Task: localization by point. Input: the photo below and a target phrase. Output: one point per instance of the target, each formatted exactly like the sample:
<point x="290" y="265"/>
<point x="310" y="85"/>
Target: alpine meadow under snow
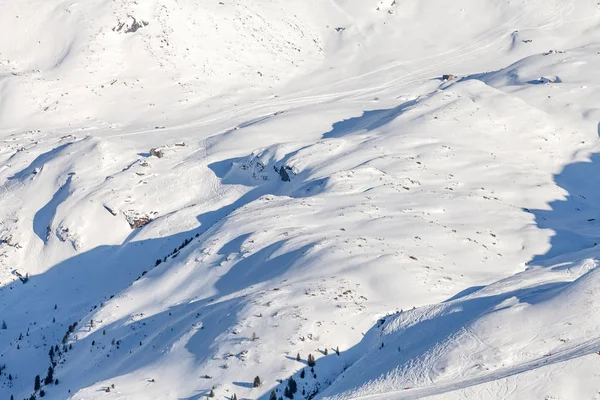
<point x="273" y="199"/>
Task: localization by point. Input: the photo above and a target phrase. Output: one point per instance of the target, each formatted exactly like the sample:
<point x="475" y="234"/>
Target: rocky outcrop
<point x="130" y="25"/>
<point x="157" y="152"/>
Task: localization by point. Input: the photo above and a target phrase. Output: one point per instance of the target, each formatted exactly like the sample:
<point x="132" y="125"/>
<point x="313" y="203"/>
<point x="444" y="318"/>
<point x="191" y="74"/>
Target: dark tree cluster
<point x="176" y="250"/>
<point x="50" y="376"/>
<point x="290" y="389"/>
<point x="69" y="331"/>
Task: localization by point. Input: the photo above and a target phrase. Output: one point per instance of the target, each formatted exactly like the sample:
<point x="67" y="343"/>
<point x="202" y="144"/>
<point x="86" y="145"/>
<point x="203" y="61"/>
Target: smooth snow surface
<point x="210" y="188"/>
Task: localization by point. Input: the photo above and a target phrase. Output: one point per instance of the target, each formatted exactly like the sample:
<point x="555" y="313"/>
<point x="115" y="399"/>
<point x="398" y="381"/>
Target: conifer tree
<point x="50" y="377"/>
<point x="256" y="382"/>
<point x="273" y="395"/>
<point x="37" y="383"/>
<point x="292" y="385"/>
<point x="287" y="393"/>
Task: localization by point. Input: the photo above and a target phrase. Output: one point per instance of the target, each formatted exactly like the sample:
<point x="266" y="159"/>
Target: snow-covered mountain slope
<point x="109" y="63"/>
<point x="462" y="344"/>
<point x="196" y="193"/>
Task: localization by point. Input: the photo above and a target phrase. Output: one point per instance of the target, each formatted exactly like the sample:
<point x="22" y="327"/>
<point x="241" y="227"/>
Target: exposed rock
<point x="157" y="152"/>
<point x="255" y="168"/>
<point x="448" y="77"/>
<point x="553" y="51"/>
<point x="139" y="222"/>
<point x="9" y="241"/>
<point x="549" y="79"/>
<point x="283" y="173"/>
<point x="130" y="25"/>
<point x="262" y="165"/>
<point x="65" y="235"/>
<point x="110" y="210"/>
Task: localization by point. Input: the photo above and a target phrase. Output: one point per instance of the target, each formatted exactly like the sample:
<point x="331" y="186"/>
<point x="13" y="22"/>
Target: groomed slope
<point x="532" y="320"/>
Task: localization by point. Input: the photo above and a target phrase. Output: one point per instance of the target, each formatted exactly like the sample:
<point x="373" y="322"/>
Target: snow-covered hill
<point x="197" y="193"/>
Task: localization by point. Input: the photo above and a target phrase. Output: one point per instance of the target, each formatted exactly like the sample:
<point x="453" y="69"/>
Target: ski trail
<point x="584" y="349"/>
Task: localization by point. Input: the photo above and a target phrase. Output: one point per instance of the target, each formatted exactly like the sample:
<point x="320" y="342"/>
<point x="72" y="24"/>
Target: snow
<point x="209" y="188"/>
